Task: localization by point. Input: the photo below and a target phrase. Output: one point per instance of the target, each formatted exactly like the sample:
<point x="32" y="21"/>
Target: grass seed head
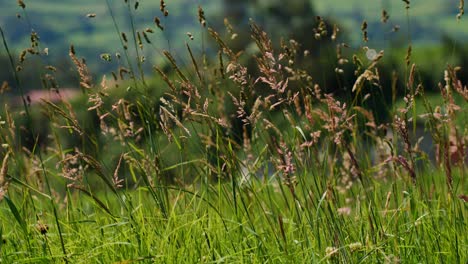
<point x="355" y="246"/>
<point x="42" y="228"/>
<point x="385" y="16"/>
<point x="331" y="251"/>
<point x="21" y="4"/>
<point x="157" y="21"/>
<point x="407" y="2"/>
<point x="124" y="37"/>
<point x="5" y="87"/>
<point x="201" y="16"/>
<point x="3" y="176"/>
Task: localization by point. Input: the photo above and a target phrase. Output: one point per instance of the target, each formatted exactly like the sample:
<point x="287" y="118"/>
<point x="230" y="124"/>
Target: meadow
<point x="274" y="152"/>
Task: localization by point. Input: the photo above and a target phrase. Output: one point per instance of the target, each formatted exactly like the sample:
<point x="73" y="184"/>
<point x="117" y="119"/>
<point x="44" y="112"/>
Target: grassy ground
<point x="251" y="222"/>
<point x="235" y="158"/>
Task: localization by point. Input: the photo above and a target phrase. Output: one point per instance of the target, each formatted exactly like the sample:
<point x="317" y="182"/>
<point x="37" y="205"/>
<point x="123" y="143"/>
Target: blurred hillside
<point x="428" y="21"/>
<point x="91" y="28"/>
<point x="60" y="23"/>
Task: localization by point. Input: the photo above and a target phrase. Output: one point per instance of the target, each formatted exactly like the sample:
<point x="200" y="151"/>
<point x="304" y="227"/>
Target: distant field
<point x="428" y="20"/>
<point x="61" y="23"/>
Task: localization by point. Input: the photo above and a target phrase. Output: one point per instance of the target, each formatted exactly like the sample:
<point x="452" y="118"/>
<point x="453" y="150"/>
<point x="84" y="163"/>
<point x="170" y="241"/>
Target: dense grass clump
<point x="223" y="155"/>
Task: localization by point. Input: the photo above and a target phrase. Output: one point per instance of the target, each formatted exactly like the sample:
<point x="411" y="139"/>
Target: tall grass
<point x="231" y="156"/>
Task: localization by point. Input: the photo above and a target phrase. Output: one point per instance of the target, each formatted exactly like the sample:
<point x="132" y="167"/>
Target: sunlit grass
<point x="219" y="157"/>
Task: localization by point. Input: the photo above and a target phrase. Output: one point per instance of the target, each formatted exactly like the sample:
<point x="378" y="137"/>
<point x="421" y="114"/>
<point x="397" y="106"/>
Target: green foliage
<point x="262" y="221"/>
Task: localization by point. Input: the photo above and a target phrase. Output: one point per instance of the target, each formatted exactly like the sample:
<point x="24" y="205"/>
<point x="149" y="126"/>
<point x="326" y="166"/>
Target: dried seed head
<point x="190" y="35"/>
<point x="106" y="57"/>
<point x="21" y="4"/>
<point x="42" y="228"/>
<point x="364" y="31"/>
<point x="123" y="71"/>
<point x="463" y="197"/>
<point x="157" y="21"/>
<point x="335" y="32"/>
<point x="298" y="105"/>
<point x="32" y="51"/>
<point x="461" y="9"/>
<point x="5" y="87"/>
<point x="355" y="246"/>
<point x="201" y="16"/>
<point x="140" y="43"/>
<point x="85" y="77"/>
<point x="34" y="39"/>
<point x="411" y="76"/>
<point x="230" y="29"/>
<point x="407" y="2"/>
<point x="22" y="56"/>
<point x="408" y="55"/>
<point x="4" y="169"/>
<point x="116" y="180"/>
<point x="385" y="16"/>
<point x="91" y="15"/>
<point x="51" y="68"/>
<point x="321" y="30"/>
<point x="124" y="37"/>
<point x="145" y="36"/>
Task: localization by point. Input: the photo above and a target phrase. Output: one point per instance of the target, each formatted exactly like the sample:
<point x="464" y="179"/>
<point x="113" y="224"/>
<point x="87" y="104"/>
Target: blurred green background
<point x="429" y="25"/>
<point x="60" y="23"/>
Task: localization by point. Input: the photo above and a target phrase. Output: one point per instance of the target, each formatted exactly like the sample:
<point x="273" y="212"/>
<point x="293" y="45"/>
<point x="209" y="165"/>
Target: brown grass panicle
<point x="461" y="9"/>
<point x="401" y="127"/>
<point x="82" y="68"/>
<point x="4" y="182"/>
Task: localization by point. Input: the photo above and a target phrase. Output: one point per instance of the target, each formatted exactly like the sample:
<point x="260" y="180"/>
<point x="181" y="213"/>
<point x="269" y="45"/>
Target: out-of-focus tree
<point x="292" y="19"/>
<point x="286" y="20"/>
